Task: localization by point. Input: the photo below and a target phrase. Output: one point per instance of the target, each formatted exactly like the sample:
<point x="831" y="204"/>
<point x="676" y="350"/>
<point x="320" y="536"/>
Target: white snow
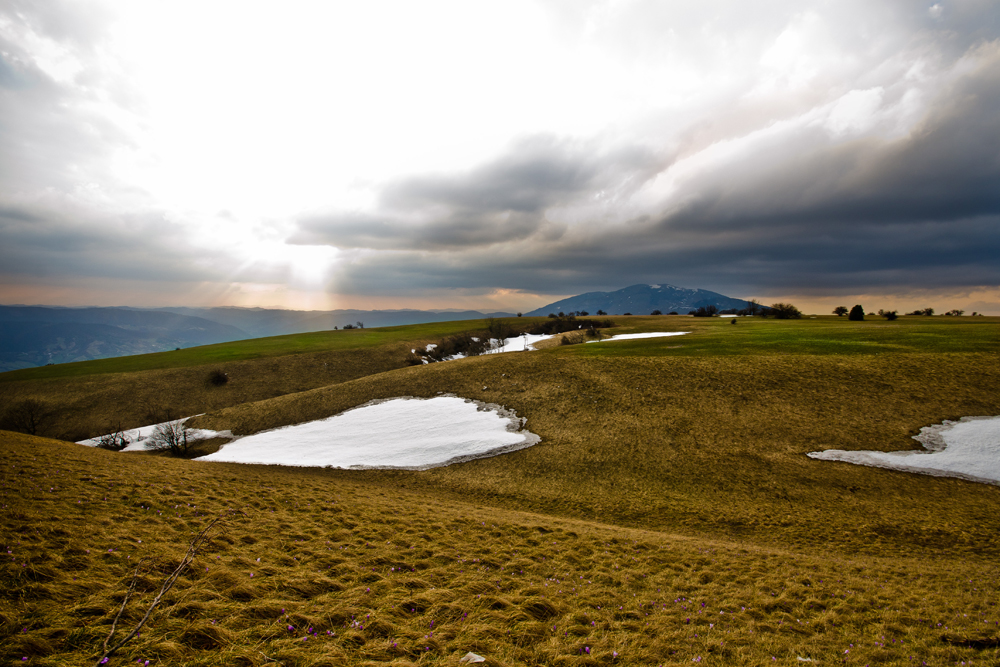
<point x="399" y="433"/>
<point x="968" y="448"/>
<point x="139" y="435"/>
<point x="655" y="334"/>
<point x="517" y="343"/>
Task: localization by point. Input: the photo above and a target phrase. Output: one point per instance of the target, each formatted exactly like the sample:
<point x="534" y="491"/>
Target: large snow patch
<point x="653" y="334"/>
<point x="407" y="433"/>
<point x="968" y="448"/>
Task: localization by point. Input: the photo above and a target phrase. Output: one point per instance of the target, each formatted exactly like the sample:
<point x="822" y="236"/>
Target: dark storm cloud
<point x="920" y="210"/>
<point x="501" y="202"/>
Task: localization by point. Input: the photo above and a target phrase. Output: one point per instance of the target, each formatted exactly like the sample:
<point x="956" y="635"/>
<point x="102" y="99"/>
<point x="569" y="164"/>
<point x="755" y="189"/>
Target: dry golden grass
<point x="704" y="445"/>
<point x="671" y="474"/>
<point x="345" y="572"/>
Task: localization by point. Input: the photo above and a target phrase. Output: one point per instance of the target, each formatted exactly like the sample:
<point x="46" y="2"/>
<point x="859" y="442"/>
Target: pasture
<point x="669" y="514"/>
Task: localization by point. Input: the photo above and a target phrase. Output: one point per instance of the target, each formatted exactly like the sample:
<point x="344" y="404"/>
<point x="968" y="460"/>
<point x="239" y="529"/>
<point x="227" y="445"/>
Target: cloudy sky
<point x="441" y="154"/>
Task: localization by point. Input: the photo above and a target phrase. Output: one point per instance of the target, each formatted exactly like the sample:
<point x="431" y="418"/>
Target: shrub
<point x="926" y="311"/>
<point x="857" y="314"/>
<point x="672" y="312"/>
<point x="840" y="311"/>
<point x="656" y="312"/>
<point x="117" y="440"/>
<point x="785" y="311"/>
<point x="169" y="437"/>
<point x="888" y="314"/>
<point x="954" y="313"/>
<point x="583" y="313"/>
<point x="705" y="311"/>
<point x="626" y="313"/>
<point x="218" y="378"/>
<point x="601" y="313"/>
<point x="26" y="416"/>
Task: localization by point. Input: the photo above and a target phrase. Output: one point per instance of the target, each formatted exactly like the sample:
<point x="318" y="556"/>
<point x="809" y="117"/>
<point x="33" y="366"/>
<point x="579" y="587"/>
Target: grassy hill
<point x="669" y="514"/>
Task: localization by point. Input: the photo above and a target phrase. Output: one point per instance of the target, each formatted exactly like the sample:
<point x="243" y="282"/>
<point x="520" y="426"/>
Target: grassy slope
<point x="93" y="397"/>
<point x="702" y="436"/>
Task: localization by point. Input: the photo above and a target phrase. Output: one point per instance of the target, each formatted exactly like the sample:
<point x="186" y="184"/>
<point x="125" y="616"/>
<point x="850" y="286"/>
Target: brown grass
<point x="668" y="477"/>
<point x="367" y="573"/>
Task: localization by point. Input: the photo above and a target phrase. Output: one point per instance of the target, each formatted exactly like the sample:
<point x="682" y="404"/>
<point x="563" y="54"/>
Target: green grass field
<point x="668" y="516"/>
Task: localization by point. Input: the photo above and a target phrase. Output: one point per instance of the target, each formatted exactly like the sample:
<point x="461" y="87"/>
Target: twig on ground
<point x="128" y="596"/>
<point x="192" y="551"/>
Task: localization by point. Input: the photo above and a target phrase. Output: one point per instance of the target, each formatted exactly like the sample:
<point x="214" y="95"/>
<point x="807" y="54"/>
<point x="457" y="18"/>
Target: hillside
<point x="642" y="300"/>
<point x="33" y="336"/>
<point x="668" y="515"/>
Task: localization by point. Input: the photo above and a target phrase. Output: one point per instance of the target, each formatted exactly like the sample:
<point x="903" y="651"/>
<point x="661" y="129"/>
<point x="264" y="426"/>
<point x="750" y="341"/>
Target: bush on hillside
<point x="785" y="311"/>
<point x="26" y="416"/>
<point x="857" y="314"/>
<point x="560" y="325"/>
<point x="217" y="378"/>
<point x="116" y="440"/>
<point x="170" y="437"/>
<point x="888" y="314"/>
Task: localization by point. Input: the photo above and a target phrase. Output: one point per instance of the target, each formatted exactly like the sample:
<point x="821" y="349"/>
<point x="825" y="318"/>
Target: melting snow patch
<point x="968" y="448"/>
<point x="517" y="343"/>
<point x="655" y="334"/>
<point x="137" y="436"/>
<point x="409" y="433"/>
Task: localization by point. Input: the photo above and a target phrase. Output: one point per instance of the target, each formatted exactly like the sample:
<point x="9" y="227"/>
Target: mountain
<point x="260" y="322"/>
<point x="39" y="335"/>
<point x="642" y="300"/>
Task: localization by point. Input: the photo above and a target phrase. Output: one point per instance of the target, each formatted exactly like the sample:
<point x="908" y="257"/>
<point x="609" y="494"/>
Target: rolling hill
<point x="669" y="514"/>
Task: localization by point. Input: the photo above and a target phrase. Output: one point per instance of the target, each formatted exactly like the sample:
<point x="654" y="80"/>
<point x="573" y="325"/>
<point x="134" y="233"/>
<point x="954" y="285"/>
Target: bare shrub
<point x="169" y="437"/>
<point x="26" y="416"/>
<point x="115" y="441"/>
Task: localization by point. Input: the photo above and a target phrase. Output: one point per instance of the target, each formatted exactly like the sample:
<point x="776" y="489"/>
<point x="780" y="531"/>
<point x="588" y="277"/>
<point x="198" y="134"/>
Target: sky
<point x="318" y="155"/>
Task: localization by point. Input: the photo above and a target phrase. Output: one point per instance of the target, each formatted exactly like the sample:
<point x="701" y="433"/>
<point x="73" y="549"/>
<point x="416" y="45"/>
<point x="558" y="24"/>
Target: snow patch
<point x="655" y="334"/>
<point x="406" y="432"/>
<point x="968" y="449"/>
<point x="517" y="343"/>
<point x="137" y="436"/>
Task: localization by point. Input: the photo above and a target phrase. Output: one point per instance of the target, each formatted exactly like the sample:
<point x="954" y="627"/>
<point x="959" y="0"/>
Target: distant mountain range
<point x="260" y="322"/>
<point x="39" y="335"/>
<point x="642" y="300"/>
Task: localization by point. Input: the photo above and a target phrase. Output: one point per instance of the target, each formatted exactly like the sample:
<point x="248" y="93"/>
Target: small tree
<point x="785" y="311"/>
<point x="840" y="311"/>
<point x="361" y="325"/>
<point x="857" y="314"/>
<point x="583" y="313"/>
<point x="25" y="416"/>
<point x="601" y="312"/>
<point x="888" y="314"/>
<point x="169" y="437"/>
<point x="656" y="312"/>
<point x="955" y="313"/>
